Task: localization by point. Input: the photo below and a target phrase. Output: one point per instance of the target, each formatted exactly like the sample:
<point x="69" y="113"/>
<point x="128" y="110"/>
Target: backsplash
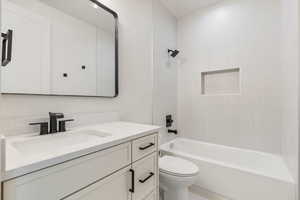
<point x="20" y="125"/>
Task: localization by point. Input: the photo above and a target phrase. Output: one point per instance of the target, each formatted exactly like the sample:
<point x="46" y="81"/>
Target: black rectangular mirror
<point x="59" y="47"/>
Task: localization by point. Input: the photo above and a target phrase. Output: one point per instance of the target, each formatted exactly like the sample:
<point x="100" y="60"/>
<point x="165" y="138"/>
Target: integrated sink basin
<point x="54" y="142"/>
<point x="24" y="154"/>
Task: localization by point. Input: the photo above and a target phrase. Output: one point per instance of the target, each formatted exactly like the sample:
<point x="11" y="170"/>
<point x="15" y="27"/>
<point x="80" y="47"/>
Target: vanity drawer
<point x="114" y="187"/>
<point x="61" y="180"/>
<point x="144" y="146"/>
<point x="146" y="177"/>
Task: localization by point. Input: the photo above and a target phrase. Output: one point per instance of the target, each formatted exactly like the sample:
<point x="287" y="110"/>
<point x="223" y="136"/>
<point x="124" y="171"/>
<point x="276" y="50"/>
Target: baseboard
<point x="207" y="194"/>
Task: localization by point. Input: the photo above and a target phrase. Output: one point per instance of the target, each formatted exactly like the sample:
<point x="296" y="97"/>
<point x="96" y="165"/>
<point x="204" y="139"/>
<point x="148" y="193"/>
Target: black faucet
<point x="53" y="121"/>
<point x="43" y="127"/>
<point x="169" y="121"/>
<point x="53" y="124"/>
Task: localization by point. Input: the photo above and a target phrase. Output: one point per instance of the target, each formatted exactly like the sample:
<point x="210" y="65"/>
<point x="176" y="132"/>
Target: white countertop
<point x="16" y="164"/>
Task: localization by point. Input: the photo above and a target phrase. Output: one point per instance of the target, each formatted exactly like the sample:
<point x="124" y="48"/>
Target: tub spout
<point x="173" y="131"/>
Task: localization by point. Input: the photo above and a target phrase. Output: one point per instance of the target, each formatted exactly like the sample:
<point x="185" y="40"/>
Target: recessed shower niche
<point x="224" y="81"/>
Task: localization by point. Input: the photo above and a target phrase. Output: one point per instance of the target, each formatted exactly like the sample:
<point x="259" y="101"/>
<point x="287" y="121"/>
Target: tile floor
<point x="193" y="197"/>
<point x="196" y="197"/>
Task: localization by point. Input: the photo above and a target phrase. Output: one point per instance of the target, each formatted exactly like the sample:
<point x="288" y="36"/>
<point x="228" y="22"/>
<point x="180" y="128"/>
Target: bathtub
<point x="235" y="173"/>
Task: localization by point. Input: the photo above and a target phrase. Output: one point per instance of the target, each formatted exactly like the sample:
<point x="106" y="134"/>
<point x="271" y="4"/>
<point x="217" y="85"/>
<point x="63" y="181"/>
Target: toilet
<point x="176" y="175"/>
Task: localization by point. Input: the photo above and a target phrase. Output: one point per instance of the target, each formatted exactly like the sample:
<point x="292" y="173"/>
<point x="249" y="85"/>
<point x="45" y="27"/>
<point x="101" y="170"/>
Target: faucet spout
<point x="53" y="121"/>
<point x="173" y="131"/>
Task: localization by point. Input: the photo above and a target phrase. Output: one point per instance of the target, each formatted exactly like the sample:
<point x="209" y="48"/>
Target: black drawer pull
<point x="6" y="47"/>
<point x="146" y="147"/>
<point x="132" y="181"/>
<point x="147" y="178"/>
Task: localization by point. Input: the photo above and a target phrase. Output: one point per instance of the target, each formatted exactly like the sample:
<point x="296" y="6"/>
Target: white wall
<point x="105" y="63"/>
<point x="233" y="33"/>
<point x="290" y="64"/>
<point x="136" y="74"/>
<point x="165" y="68"/>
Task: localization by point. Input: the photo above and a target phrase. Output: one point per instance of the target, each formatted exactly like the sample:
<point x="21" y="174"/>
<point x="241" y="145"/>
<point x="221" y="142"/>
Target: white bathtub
<point x="235" y="173"/>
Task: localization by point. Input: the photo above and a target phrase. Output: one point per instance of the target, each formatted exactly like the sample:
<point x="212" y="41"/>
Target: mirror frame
<point x="116" y="17"/>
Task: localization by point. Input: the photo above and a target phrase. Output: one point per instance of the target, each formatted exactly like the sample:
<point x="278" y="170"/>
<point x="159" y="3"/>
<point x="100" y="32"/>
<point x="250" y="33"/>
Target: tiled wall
<point x="290" y="73"/>
<point x="20" y="125"/>
<point x="231" y="34"/>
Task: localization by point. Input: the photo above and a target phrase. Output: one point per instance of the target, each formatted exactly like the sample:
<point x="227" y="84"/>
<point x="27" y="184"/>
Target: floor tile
<point x="192" y="197"/>
<point x="196" y="197"/>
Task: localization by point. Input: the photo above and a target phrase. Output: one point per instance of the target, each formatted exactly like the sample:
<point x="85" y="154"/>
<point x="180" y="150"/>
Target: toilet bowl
<point x="176" y="175"/>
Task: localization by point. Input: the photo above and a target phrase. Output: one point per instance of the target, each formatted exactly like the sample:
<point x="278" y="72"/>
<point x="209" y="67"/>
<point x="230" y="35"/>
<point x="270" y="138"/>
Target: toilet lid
<point x="177" y="166"/>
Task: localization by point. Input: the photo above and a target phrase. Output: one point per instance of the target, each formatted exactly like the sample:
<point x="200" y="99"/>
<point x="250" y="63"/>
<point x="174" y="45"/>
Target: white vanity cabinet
<point x="110" y="174"/>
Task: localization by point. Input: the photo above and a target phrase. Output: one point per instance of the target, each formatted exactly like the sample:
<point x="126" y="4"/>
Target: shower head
<point x="173" y="53"/>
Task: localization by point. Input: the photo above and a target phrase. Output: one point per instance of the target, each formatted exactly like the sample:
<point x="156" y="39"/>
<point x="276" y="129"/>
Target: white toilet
<point x="176" y="175"/>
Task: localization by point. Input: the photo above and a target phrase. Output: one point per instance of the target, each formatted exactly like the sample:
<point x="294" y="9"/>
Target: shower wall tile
<point x="290" y="73"/>
<point x="233" y="34"/>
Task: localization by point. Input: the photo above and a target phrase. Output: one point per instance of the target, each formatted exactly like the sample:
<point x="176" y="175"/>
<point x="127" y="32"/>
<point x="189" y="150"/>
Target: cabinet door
<point x="114" y="187"/>
<point x="29" y="70"/>
<point x="146" y="176"/>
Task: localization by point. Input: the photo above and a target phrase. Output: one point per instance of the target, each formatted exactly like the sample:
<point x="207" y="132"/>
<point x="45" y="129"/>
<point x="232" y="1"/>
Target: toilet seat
<point x="177" y="167"/>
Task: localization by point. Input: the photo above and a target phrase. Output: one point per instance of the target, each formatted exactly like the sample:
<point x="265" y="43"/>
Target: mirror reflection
<point x="69" y="46"/>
